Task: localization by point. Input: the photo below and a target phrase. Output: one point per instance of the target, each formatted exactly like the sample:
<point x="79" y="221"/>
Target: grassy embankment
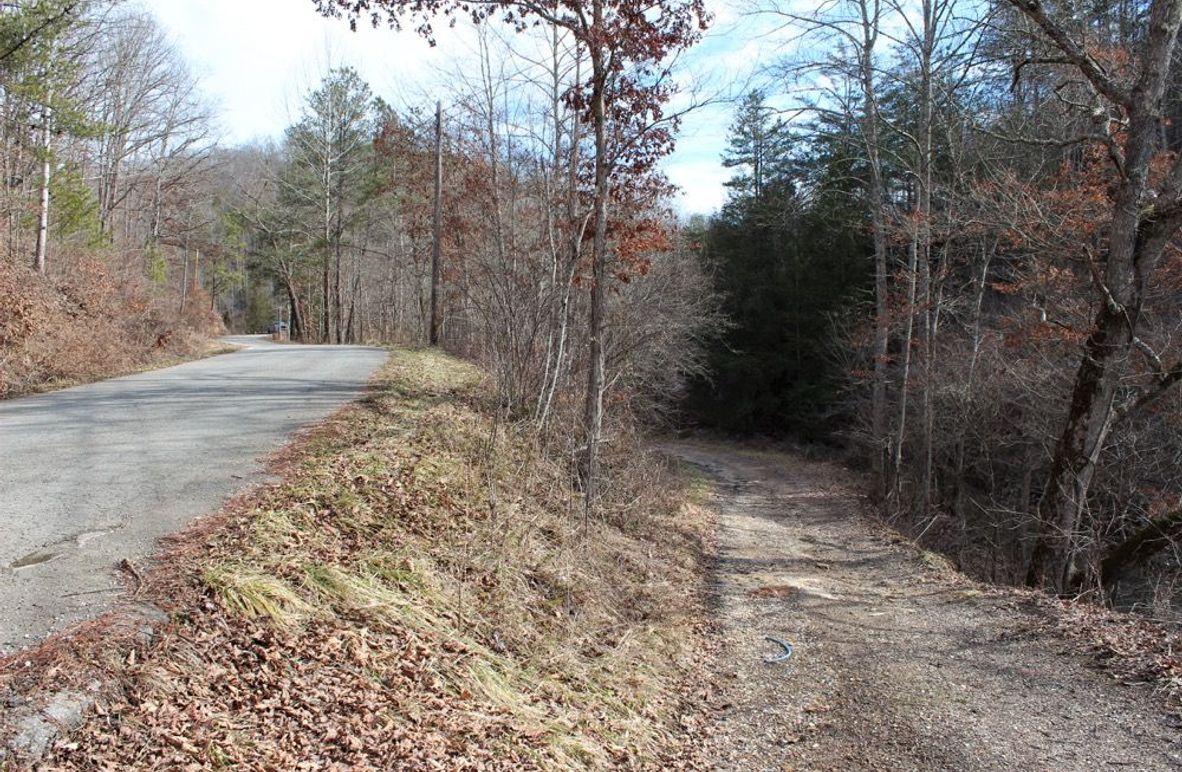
<point x="193" y="349"/>
<point x="419" y="589"/>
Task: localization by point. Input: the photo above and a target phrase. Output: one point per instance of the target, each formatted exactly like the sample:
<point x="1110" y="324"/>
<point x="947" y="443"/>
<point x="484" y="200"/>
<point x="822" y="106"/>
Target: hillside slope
<point x="86" y="323"/>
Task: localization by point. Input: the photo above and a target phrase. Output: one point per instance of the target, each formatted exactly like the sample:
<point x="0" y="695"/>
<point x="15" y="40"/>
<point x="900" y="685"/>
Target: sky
<point x="256" y="57"/>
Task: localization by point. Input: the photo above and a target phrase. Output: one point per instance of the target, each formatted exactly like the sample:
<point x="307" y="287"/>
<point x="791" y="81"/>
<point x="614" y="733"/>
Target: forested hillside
<point x="960" y="258"/>
<point x="111" y="242"/>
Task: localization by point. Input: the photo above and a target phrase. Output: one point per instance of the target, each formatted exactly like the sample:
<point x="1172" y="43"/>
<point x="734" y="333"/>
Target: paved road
<point x="97" y="473"/>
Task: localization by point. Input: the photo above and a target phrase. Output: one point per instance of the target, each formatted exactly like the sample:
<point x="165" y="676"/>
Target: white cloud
<point x="701" y="184"/>
<point x="256" y="57"/>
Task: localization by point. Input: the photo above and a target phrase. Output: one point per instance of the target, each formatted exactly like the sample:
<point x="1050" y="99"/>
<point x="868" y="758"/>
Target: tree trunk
<point x="436" y="228"/>
<point x="574" y="240"/>
<point x="980" y="279"/>
<point x="184" y="280"/>
<point x="326" y="318"/>
<point x="879" y="428"/>
<point x="338" y="298"/>
<point x="1089" y="418"/>
<point x="296" y="324"/>
<point x="1137" y="237"/>
<point x="338" y="232"/>
<point x="878" y="422"/>
<point x="593" y="410"/>
<point x="43" y="208"/>
<point x="905" y="372"/>
<point x="924" y="224"/>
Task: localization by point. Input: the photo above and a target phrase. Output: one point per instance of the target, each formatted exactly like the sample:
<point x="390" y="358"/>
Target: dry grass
<point x="420" y="591"/>
<point x="188" y="347"/>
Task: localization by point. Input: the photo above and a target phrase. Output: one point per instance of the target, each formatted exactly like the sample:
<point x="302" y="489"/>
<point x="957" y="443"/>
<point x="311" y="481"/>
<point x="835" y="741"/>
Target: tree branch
<point x="1141" y="546"/>
<point x="1076" y="54"/>
<point x="1165" y="381"/>
<point x="32" y="34"/>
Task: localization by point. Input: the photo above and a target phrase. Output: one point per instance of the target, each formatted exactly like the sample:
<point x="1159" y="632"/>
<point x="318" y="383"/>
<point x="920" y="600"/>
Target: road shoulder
<point x="418" y="589"/>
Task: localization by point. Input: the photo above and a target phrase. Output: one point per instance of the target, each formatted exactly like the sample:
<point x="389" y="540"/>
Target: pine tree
<point x="760" y="143"/>
<point x="782" y="270"/>
<point x="331" y="156"/>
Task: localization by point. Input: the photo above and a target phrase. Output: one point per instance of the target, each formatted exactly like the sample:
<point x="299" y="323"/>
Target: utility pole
<point x="437" y="224"/>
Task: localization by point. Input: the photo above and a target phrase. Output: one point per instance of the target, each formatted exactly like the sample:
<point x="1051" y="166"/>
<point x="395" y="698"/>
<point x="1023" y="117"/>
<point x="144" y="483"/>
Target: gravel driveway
<point x="898" y="664"/>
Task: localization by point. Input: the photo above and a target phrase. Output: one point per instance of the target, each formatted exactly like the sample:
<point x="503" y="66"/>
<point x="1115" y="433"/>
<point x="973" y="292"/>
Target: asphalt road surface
<point x="95" y="474"/>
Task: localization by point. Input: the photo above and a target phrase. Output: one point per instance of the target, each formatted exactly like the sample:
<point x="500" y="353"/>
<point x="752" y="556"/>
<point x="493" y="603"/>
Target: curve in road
<point x="95" y="474"/>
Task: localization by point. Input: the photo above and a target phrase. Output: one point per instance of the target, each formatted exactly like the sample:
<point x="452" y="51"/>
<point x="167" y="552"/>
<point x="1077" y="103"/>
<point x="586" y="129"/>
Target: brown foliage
<point x="82" y="324"/>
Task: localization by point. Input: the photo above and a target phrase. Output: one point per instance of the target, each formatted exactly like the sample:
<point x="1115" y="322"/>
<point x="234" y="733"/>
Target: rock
<point x="37" y="731"/>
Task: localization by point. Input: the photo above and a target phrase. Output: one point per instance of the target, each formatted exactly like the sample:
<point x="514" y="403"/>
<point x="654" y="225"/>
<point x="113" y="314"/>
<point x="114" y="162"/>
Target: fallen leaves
<point x="1133" y="647"/>
<point x="369" y="612"/>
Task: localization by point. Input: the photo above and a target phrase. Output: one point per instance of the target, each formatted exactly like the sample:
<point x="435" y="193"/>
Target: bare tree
<point x="1145" y="217"/>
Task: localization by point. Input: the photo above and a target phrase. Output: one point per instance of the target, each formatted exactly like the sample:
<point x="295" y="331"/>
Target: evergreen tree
<point x="331" y="160"/>
<point x="784" y="263"/>
<point x="760" y="144"/>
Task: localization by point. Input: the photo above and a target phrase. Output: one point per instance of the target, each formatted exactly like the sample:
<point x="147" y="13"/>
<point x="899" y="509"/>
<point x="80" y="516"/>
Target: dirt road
<point x="897" y="664"/>
<point x="94" y="475"/>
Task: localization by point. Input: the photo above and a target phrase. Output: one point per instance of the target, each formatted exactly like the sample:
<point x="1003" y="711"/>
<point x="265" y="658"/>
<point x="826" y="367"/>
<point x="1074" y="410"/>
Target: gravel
<point x="898" y="663"/>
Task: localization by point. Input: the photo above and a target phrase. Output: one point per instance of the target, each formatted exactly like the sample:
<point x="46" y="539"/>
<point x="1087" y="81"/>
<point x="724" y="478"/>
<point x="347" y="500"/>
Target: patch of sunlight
<point x="252" y="593"/>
